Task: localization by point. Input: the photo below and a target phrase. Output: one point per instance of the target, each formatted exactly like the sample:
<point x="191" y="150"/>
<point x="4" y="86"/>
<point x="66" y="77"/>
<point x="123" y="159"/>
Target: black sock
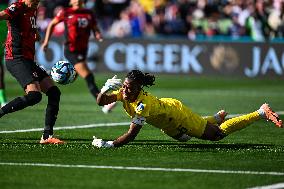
<point x="93" y="88"/>
<point x="20" y="103"/>
<point x="52" y="109"/>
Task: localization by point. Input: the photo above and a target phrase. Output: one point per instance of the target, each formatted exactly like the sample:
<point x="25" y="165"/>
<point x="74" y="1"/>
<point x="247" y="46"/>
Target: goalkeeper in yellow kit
<point x="168" y="114"/>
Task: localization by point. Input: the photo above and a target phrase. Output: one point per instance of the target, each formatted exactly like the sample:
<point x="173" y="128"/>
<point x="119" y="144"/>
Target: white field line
<point x="144" y="168"/>
<point x="273" y="186"/>
<point x="96" y="125"/>
<point x="71" y="127"/>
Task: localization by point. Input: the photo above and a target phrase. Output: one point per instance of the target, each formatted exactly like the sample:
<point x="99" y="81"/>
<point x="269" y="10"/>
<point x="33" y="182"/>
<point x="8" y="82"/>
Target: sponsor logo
<point x="140" y="107"/>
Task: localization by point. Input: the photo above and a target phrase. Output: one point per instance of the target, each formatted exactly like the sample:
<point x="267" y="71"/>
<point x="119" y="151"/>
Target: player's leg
<point x="83" y="70"/>
<point x="78" y="60"/>
<point x="214" y="132"/>
<point x="176" y="134"/>
<point x="218" y="118"/>
<point x="240" y="122"/>
<point x="3" y="100"/>
<point x="23" y="73"/>
<point x="53" y="93"/>
<point x="107" y="108"/>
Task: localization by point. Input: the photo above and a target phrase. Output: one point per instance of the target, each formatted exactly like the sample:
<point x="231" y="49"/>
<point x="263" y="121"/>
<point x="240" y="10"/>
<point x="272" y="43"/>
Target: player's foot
<point x="50" y="140"/>
<point x="107" y="108"/>
<point x="267" y="113"/>
<point x="220" y="116"/>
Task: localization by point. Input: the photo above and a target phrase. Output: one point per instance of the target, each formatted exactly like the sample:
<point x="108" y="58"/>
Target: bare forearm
<point x="103" y="99"/>
<point x="48" y="33"/>
<point x="124" y="139"/>
<point x="129" y="136"/>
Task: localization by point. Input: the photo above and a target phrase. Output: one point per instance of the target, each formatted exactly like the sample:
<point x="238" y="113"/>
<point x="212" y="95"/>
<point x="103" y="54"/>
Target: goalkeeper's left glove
<point x="112" y="84"/>
<point x="99" y="143"/>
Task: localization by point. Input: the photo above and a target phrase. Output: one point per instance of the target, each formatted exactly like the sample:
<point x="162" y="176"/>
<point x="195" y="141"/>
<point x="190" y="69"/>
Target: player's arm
<point x="129" y="136"/>
<point x="97" y="33"/>
<point x="49" y="31"/>
<point x="104" y="99"/>
<point x="4" y="15"/>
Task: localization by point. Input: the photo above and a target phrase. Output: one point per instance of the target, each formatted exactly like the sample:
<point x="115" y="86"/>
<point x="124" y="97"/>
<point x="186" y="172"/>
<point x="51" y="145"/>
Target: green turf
<point x="256" y="148"/>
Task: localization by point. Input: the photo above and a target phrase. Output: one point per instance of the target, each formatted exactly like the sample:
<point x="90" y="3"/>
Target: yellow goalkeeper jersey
<point x="168" y="114"/>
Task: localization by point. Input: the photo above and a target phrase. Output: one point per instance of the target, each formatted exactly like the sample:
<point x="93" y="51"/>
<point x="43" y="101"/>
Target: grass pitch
<point x="248" y="158"/>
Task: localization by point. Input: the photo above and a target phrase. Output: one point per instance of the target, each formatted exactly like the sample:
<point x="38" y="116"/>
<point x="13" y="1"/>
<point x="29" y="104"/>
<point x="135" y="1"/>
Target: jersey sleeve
<point x="118" y="94"/>
<point x="14" y="10"/>
<point x="60" y="15"/>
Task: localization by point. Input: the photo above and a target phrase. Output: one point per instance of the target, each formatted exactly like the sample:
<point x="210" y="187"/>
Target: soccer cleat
<point x="107" y="108"/>
<point x="270" y="115"/>
<point x="50" y="140"/>
<point x="220" y="116"/>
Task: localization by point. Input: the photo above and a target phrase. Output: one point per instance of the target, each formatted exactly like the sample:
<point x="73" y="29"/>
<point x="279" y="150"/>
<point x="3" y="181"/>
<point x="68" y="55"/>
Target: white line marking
<point x="273" y="186"/>
<point x="144" y="168"/>
<point x="70" y="127"/>
<point x="96" y="125"/>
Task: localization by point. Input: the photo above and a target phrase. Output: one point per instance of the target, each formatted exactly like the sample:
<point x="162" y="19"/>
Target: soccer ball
<point x="63" y="72"/>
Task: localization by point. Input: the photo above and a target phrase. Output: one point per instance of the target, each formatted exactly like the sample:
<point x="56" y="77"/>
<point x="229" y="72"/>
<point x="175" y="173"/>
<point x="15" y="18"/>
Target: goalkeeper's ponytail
<point x="145" y="79"/>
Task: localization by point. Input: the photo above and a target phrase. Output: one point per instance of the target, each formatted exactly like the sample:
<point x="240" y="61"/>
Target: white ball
<point x="63" y="72"/>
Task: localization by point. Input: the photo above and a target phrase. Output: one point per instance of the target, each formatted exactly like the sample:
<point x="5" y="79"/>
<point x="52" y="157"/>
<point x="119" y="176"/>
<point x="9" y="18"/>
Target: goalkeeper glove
<point x="112" y="84"/>
<point x="99" y="143"/>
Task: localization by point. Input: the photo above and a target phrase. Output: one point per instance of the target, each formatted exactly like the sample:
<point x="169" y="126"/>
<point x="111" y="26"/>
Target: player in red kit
<point x="19" y="56"/>
<point x="79" y="23"/>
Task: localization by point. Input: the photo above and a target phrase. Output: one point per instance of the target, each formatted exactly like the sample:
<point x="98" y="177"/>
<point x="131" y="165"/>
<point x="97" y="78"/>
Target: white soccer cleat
<point x="107" y="108"/>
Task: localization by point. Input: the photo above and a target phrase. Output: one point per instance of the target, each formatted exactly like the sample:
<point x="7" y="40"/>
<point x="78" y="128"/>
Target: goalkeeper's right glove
<point x="100" y="143"/>
<point x="112" y="84"/>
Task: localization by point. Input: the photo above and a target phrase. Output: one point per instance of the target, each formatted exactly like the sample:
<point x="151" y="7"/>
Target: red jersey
<point x="22" y="30"/>
<point x="78" y="25"/>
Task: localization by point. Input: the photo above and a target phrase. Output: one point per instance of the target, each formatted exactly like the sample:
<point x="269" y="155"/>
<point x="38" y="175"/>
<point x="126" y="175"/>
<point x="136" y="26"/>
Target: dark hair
<point x="145" y="79"/>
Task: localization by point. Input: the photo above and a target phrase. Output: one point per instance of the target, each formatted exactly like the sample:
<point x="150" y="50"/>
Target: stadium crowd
<point x="257" y="20"/>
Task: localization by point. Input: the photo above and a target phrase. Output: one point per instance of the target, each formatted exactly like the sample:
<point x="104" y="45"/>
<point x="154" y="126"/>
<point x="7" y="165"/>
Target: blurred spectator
<point x="107" y="11"/>
<point x="236" y="30"/>
<point x="257" y="19"/>
<point x="137" y="19"/>
<point x="42" y="21"/>
<point x="50" y="5"/>
<point x="276" y="19"/>
<point x="254" y="25"/>
<point x="122" y="27"/>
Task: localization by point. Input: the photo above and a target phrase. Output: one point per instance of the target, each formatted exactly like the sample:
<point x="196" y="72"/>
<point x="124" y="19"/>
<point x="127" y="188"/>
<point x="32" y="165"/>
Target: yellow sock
<point x="239" y="123"/>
